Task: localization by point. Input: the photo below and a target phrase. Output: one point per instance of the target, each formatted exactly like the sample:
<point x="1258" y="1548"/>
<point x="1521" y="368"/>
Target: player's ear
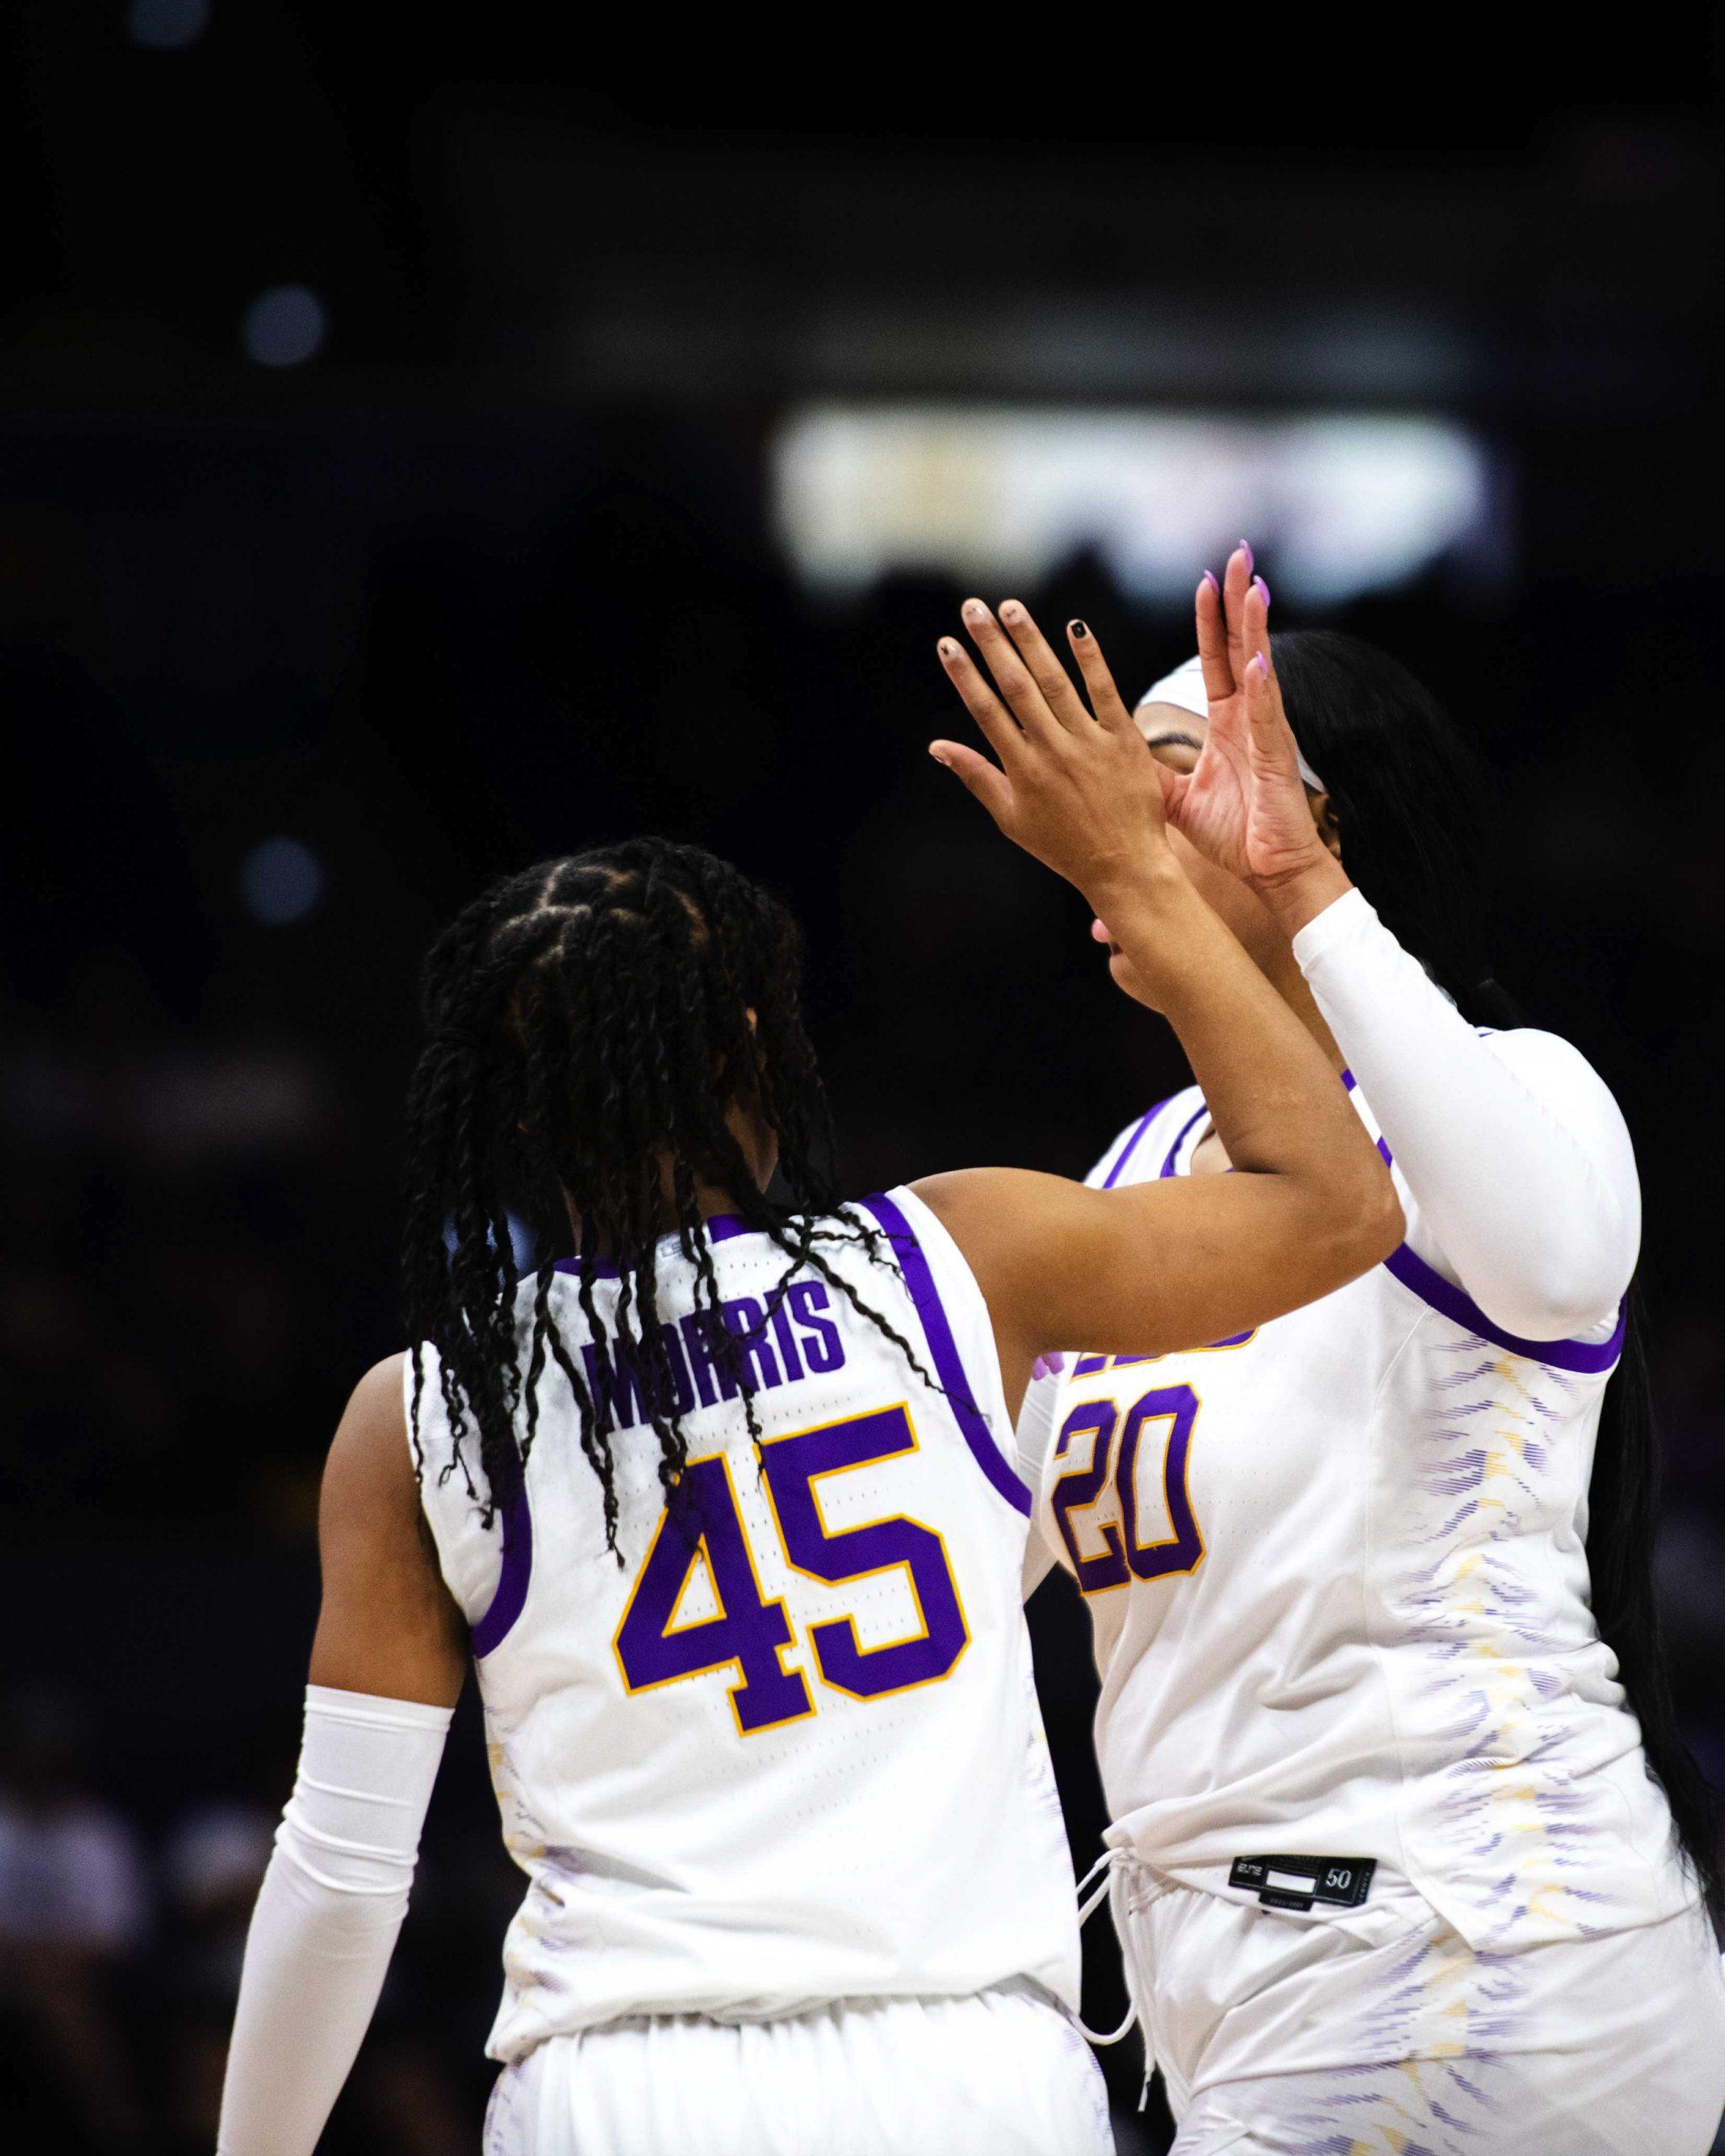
<point x="1329" y="827"/>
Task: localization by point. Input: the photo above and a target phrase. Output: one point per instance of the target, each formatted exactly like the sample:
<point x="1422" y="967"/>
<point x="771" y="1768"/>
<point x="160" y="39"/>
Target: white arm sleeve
<point x="1512" y="1148"/>
<point x="330" y="1906"/>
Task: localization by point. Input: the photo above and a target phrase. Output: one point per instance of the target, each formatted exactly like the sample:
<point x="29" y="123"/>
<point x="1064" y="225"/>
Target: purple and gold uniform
<point x="1388" y="1867"/>
<point x="784" y="1761"/>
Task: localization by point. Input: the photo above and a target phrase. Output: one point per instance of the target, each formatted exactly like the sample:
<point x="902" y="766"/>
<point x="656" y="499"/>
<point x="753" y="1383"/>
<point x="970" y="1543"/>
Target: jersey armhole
<point x="489" y="1584"/>
<point x="1136" y="1147"/>
<point x="1419" y="1276"/>
<point x="909" y="1225"/>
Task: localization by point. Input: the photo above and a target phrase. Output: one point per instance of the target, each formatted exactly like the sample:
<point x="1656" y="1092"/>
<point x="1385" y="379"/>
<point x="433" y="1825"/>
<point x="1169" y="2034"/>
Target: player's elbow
<point x="1378" y="1222"/>
<point x="1361" y="1224"/>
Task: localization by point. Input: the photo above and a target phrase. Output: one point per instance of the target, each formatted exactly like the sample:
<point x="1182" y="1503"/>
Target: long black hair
<point x="591" y="1022"/>
<point x="1413" y="813"/>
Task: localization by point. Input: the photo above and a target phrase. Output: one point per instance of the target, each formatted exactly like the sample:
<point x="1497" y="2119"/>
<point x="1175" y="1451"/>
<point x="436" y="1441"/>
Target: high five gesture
<point x="1073" y="785"/>
<point x="1246" y="803"/>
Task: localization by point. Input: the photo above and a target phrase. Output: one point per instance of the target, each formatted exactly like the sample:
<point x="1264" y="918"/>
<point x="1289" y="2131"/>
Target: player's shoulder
<point x="369" y="1455"/>
<point x="1136" y="1153"/>
<point x="1557" y="1074"/>
<point x="1532" y="1049"/>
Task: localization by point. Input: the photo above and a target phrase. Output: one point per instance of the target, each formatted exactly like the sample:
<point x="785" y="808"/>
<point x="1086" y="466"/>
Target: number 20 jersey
<point x="1336" y="1574"/>
<point x="789" y="1752"/>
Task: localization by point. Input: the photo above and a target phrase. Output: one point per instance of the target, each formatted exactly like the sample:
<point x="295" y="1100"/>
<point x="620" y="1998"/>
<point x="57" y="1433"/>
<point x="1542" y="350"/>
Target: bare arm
<point x="1165" y="1265"/>
<point x="385" y="1670"/>
<point x="389" y="1624"/>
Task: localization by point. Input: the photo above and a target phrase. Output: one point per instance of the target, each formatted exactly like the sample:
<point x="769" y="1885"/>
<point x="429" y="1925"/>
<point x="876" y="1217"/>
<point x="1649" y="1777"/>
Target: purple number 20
<point x="1123" y="1556"/>
<point x="749" y="1635"/>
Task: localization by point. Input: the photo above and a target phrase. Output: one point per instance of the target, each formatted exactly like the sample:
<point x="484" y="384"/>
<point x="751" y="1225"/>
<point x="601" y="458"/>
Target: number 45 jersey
<point x="787" y="1751"/>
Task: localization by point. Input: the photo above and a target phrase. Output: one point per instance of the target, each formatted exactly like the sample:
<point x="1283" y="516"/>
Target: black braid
<point x="590" y="1023"/>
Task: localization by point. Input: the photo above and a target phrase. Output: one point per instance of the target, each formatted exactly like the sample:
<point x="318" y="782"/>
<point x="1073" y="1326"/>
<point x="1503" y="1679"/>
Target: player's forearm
<point x="326" y="1917"/>
<point x="313" y="1969"/>
<point x="1276" y="1102"/>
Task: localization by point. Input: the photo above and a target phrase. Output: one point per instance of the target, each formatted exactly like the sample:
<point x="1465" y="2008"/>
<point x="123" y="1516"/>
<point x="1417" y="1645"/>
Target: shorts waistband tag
<point x="1296" y="1882"/>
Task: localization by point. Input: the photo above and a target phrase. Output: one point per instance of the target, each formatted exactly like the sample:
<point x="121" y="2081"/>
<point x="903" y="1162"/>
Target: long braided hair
<point x="591" y="1021"/>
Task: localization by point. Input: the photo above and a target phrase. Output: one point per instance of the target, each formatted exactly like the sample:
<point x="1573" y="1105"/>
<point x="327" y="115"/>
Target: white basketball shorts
<point x="1003" y="2073"/>
<point x="1282" y="2036"/>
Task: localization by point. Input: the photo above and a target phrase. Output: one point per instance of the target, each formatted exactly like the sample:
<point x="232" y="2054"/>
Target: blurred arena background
<point x="431" y="441"/>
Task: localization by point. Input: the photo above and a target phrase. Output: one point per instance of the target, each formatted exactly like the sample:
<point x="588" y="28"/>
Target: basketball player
<point x="723" y="1505"/>
<point x="1407" y="1854"/>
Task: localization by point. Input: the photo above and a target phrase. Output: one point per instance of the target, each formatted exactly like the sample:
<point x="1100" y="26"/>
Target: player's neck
<point x="711" y="1200"/>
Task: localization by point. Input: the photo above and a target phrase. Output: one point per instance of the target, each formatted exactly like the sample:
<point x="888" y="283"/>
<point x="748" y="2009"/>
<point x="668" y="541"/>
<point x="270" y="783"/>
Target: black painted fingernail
<point x="1079" y="629"/>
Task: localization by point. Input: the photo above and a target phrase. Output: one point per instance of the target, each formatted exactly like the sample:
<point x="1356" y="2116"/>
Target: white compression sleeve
<point x="327" y="1913"/>
<point x="1512" y="1148"/>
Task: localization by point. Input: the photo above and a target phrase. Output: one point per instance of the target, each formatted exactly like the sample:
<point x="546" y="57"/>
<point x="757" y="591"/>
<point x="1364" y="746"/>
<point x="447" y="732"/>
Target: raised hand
<point x="1244" y="804"/>
<point x="1074" y="786"/>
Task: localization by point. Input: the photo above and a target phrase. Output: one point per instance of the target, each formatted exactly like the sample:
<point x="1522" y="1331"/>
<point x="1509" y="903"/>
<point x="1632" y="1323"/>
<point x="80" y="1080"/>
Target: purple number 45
<point x="750" y="1634"/>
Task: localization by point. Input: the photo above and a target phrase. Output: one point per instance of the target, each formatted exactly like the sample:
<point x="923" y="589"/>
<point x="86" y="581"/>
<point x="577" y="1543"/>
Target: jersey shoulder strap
<point x="1146" y="1148"/>
<point x="453" y="1493"/>
<point x="957" y="1333"/>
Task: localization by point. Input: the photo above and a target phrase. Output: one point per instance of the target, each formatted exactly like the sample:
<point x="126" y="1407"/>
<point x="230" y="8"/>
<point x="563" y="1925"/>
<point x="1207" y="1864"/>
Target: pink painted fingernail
<point x="1210" y="580"/>
<point x="1246" y="549"/>
<point x="1263" y="589"/>
<point x="1050" y="1365"/>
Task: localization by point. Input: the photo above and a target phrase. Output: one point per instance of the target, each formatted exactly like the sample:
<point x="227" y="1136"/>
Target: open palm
<point x="1243" y="805"/>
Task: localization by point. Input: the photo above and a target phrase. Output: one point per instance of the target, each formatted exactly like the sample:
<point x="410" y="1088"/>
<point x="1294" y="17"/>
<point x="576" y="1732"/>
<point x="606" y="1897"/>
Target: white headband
<point x="1184" y="689"/>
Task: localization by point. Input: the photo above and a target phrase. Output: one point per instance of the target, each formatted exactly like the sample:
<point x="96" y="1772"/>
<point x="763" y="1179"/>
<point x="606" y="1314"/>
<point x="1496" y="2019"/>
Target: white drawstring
<point x="1111" y="1879"/>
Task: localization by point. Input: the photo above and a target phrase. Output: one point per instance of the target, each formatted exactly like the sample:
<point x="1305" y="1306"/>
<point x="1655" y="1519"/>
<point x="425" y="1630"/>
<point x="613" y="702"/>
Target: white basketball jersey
<point x="1338" y="1578"/>
<point x="788" y="1751"/>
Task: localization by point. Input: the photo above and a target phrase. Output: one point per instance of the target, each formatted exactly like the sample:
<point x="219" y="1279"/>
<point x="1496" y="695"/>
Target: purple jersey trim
<point x="1131" y="1144"/>
<point x="1181" y="1136"/>
<point x="943" y="1348"/>
<point x="1586" y="1357"/>
<point x="511" y="1591"/>
<point x="720" y="1228"/>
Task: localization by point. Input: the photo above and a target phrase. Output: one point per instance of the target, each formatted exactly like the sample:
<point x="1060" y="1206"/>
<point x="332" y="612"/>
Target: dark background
<point x="493" y="574"/>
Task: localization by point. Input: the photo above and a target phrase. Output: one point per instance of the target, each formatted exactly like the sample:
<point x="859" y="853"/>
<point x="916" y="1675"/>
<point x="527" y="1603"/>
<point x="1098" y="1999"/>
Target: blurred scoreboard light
<point x="1342" y="504"/>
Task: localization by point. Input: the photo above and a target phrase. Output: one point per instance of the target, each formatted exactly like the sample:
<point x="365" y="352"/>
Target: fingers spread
<point x="1218" y="682"/>
<point x="1255" y="621"/>
<point x="1105" y="699"/>
<point x="1051" y="677"/>
<point x="1011" y="676"/>
<point x="999" y="728"/>
<point x="1236" y="582"/>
